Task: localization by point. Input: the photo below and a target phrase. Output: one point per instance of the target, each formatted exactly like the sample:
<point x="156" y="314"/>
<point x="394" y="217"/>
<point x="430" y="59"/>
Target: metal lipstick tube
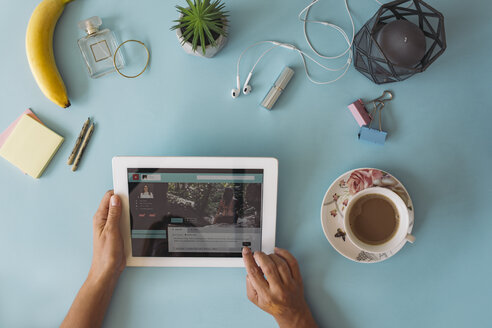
<point x="277" y="89"/>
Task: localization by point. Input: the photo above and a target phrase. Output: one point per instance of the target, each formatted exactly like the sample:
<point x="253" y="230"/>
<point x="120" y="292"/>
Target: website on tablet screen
<point x="194" y="212"/>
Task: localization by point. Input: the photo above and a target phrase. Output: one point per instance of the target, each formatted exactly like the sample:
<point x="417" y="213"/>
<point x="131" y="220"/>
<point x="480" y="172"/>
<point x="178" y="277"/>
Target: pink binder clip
<point x="359" y="112"/>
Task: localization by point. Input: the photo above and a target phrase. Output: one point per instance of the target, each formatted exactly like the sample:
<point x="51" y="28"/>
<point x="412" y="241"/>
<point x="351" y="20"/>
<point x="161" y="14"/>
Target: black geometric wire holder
<point x="370" y="60"/>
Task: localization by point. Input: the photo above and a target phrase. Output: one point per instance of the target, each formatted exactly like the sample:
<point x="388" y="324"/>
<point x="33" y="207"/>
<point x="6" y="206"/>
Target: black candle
<point x="402" y="42"/>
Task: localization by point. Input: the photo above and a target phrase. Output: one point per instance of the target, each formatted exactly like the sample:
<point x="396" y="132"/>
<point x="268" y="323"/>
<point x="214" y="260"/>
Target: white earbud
<point x="247" y="87"/>
<point x="236" y="92"/>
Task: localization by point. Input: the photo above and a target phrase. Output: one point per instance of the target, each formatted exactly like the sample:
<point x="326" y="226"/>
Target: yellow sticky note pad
<point x="31" y="146"/>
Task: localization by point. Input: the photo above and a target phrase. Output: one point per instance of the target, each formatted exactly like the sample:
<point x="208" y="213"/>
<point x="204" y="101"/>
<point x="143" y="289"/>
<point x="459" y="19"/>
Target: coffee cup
<point x="376" y="220"/>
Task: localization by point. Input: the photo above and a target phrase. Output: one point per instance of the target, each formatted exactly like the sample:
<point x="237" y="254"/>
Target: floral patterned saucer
<point x="336" y="200"/>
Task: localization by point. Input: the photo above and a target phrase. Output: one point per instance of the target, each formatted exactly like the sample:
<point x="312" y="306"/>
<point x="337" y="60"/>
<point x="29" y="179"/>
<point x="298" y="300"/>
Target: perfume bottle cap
<point x="90" y="25"/>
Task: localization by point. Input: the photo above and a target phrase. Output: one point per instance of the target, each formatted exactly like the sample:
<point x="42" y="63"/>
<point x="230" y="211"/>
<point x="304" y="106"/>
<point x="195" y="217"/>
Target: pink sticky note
<point x="359" y="112"/>
<point x="5" y="134"/>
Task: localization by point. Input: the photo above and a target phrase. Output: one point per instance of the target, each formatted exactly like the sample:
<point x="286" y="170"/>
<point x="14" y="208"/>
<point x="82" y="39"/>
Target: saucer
<point x="336" y="200"/>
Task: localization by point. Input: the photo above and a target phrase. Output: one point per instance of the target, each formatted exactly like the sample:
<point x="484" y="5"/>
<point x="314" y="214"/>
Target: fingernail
<point x="115" y="201"/>
<point x="246" y="250"/>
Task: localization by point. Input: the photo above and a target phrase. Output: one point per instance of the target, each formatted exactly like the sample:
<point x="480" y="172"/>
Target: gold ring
<point x="146" y="64"/>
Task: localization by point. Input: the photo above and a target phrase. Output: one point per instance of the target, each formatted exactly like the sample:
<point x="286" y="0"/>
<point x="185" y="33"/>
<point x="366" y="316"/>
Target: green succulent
<point x="201" y="23"/>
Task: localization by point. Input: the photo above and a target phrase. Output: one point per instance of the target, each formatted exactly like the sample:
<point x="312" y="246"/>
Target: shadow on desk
<point x="324" y="306"/>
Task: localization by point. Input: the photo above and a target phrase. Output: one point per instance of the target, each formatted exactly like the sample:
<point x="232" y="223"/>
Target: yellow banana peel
<point x="39" y="49"/>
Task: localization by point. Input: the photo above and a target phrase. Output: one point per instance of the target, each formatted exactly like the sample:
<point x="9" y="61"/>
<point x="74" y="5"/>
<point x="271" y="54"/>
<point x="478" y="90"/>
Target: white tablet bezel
<point x="269" y="203"/>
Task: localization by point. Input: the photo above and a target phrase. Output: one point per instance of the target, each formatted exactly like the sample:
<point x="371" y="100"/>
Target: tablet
<point x="195" y="211"/>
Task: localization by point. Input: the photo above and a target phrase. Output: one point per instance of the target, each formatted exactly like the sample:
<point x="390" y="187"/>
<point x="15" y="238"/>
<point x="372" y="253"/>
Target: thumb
<point x="114" y="213"/>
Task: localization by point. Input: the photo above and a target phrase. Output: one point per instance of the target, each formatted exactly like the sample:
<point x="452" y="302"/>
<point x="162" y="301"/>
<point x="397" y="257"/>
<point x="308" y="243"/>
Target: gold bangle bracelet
<point x="146" y="64"/>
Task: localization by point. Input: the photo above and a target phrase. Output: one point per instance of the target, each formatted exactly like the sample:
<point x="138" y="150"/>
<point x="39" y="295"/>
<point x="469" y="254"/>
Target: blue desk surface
<point x="438" y="146"/>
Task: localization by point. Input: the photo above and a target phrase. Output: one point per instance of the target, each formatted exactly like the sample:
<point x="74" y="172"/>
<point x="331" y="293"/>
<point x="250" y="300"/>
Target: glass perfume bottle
<point x="98" y="48"/>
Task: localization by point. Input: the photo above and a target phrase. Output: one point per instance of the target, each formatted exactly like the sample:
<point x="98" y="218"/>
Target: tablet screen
<point x="195" y="212"/>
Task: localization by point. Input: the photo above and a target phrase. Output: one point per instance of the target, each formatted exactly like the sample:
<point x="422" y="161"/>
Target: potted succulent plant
<point x="202" y="27"/>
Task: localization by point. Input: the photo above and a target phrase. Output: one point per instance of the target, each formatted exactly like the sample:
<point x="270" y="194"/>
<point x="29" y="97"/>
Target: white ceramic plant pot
<point x="209" y="50"/>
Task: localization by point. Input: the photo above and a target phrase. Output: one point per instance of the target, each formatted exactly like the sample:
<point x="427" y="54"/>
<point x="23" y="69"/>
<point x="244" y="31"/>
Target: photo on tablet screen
<point x="195" y="212"/>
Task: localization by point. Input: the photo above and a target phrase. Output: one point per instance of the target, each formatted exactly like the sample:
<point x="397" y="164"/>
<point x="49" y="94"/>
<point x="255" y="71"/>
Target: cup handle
<point x="410" y="238"/>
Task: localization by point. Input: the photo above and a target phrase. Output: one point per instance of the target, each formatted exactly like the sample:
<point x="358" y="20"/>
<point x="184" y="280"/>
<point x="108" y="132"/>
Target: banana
<point x="39" y="48"/>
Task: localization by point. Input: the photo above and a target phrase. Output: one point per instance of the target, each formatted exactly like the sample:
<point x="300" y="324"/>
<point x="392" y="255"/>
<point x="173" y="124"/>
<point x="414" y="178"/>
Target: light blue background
<point x="439" y="147"/>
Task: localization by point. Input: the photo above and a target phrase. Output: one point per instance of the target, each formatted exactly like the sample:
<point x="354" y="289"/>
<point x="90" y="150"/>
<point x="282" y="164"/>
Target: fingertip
<point x="114" y="213"/>
<point x="281" y="252"/>
<point x="246" y="250"/>
<point x="258" y="256"/>
<point x="115" y="201"/>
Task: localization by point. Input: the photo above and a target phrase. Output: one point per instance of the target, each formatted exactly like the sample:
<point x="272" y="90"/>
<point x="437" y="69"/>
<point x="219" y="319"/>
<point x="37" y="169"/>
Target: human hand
<point x="108" y="258"/>
<point x="281" y="294"/>
<point x="108" y="261"/>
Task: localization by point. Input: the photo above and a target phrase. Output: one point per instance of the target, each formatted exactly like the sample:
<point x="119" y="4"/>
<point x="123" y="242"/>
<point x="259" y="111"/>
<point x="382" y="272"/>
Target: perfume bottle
<point x="98" y="48"/>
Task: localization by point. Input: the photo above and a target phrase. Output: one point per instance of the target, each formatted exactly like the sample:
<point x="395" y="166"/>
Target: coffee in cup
<point x="376" y="220"/>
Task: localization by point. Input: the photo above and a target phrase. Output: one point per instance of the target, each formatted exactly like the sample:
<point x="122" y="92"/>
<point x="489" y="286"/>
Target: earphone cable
<point x="244" y="51"/>
<point x="336" y="27"/>
<point x="262" y="55"/>
<point x="303" y="55"/>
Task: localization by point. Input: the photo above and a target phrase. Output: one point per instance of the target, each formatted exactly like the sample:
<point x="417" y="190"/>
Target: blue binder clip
<point x="372" y="135"/>
<point x="376" y="136"/>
